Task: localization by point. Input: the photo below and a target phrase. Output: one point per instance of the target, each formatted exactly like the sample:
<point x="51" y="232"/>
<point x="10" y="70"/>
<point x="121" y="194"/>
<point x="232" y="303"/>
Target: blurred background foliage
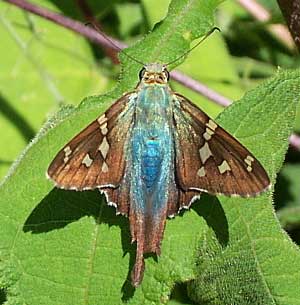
<point x="44" y="67"/>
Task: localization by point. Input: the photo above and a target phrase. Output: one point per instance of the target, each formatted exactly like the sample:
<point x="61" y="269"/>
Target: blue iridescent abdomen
<point x="151" y="162"/>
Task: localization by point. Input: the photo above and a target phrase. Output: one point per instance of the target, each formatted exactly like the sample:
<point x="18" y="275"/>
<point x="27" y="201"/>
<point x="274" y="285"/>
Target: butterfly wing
<point x="209" y="159"/>
<point x="94" y="158"/>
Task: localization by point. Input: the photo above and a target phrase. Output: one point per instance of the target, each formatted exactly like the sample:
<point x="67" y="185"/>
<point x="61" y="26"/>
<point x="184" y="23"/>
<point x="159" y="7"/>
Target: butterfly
<point x="152" y="153"/>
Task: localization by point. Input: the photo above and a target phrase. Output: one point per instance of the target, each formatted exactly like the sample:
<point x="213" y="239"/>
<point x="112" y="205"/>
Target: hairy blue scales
<point x="151" y="149"/>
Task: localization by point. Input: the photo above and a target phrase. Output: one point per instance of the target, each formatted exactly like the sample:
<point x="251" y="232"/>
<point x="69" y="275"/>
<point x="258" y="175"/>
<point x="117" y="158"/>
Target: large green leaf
<point x="67" y="247"/>
<point x="64" y="247"/>
<point x="244" y="257"/>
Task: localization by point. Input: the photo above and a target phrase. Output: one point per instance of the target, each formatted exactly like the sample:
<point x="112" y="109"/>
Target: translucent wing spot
<point x="212" y="125"/>
<point x="201" y="172"/>
<point x="104" y="129"/>
<point x="205" y="152"/>
<point x="104" y="167"/>
<point x="102" y="119"/>
<point x="104" y="147"/>
<point x="87" y="161"/>
<point x="249" y="161"/>
<point x="68" y="152"/>
<point x="208" y="133"/>
<point x="224" y="167"/>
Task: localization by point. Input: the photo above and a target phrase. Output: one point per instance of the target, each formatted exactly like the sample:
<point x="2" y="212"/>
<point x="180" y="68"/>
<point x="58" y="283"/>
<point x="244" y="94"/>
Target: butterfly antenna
<point x="195" y="46"/>
<point x="112" y="42"/>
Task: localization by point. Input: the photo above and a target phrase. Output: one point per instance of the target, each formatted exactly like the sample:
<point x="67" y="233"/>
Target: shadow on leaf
<point x="179" y="294"/>
<point x="3" y="297"/>
<point x="60" y="208"/>
<point x="16" y="119"/>
<point x="210" y="208"/>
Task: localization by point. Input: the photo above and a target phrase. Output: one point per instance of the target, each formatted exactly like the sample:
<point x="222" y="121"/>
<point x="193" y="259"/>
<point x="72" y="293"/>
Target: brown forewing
<point x="95" y="157"/>
<point x="211" y="160"/>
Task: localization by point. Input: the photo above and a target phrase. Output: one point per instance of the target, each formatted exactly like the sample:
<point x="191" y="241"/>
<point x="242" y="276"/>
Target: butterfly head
<point x="154" y="74"/>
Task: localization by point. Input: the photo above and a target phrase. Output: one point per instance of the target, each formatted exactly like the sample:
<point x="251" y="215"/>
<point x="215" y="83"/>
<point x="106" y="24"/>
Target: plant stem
<point x="88" y="15"/>
<point x="198" y="87"/>
<point x="68" y="23"/>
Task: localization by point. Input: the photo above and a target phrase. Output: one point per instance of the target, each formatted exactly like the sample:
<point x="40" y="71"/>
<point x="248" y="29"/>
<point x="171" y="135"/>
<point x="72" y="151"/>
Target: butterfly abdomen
<point x="151" y="163"/>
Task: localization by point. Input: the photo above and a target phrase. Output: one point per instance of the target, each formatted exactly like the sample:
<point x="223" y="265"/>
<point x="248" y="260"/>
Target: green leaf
<point x="66" y="247"/>
<point x="244" y="257"/>
<point x="43" y="66"/>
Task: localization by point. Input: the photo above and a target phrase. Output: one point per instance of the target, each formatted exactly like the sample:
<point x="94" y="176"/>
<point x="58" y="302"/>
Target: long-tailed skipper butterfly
<point x="152" y="153"/>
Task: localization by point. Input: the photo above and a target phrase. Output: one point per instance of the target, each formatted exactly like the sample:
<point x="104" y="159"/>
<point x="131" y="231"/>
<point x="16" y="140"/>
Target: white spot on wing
<point x="201" y="172"/>
<point x="212" y="125"/>
<point x="249" y="161"/>
<point x="208" y="133"/>
<point x="87" y="161"/>
<point x="102" y="119"/>
<point x="104" y="129"/>
<point x="224" y="167"/>
<point x="67" y="151"/>
<point x="205" y="152"/>
<point x="104" y="167"/>
<point x="104" y="147"/>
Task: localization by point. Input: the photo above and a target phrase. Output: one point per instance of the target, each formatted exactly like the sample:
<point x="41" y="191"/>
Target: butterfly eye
<point x="142" y="73"/>
<point x="167" y="74"/>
